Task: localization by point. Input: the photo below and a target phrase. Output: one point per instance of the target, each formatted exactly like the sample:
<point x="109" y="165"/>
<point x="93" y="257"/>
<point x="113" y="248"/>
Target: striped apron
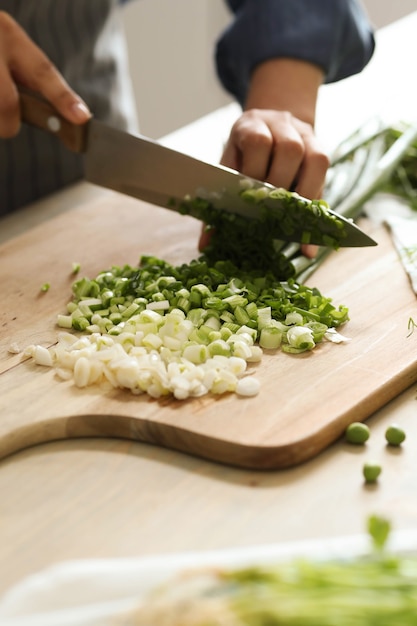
<point x="85" y="40"/>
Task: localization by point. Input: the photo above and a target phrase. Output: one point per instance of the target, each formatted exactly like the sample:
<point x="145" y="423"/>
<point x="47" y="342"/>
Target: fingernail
<point x="80" y="111"/>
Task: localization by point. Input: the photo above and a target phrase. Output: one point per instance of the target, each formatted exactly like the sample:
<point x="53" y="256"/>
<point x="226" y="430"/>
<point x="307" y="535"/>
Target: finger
<point x="312" y="173"/>
<point x="253" y="141"/>
<point x="309" y="250"/>
<point x="29" y="66"/>
<point x="41" y="76"/>
<point x="230" y="156"/>
<point x="287" y="157"/>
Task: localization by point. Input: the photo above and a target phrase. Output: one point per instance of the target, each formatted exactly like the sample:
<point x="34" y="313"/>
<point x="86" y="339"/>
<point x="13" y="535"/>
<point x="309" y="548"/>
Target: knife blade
<point x="140" y="167"/>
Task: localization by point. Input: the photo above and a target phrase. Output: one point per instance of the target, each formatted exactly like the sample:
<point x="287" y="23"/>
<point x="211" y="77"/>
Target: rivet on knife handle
<point x="36" y="111"/>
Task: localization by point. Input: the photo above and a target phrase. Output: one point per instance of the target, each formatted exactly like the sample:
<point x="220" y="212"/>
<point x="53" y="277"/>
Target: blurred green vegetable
<point x="377" y="589"/>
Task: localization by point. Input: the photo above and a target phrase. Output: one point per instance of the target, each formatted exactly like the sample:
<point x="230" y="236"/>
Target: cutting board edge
<point x="200" y="445"/>
<point x="239" y="454"/>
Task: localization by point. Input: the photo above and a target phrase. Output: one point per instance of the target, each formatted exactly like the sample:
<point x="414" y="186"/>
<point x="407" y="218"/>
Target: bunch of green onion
<point x="377" y="158"/>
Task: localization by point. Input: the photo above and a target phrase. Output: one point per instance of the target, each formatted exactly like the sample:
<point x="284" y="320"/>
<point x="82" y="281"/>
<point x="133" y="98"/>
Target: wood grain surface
<point x="305" y="402"/>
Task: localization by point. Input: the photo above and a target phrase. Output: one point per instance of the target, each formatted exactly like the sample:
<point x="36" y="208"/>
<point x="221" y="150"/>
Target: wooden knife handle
<point x="37" y="111"/>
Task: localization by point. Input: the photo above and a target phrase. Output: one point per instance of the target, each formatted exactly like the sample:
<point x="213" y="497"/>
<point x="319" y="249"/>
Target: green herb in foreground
<point x="363" y="592"/>
<point x="377" y="589"/>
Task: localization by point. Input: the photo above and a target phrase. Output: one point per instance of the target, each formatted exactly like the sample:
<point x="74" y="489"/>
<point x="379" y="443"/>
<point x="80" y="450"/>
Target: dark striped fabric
<point x="84" y="39"/>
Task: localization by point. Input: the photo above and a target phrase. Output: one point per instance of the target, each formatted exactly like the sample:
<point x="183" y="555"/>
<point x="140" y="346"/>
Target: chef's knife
<point x="144" y="169"/>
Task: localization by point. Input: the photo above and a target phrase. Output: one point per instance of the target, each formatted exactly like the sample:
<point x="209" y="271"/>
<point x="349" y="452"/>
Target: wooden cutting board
<point x="306" y="401"/>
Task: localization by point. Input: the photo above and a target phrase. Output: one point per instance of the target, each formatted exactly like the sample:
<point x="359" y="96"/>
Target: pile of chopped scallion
<point x="185" y="330"/>
<point x="193" y="329"/>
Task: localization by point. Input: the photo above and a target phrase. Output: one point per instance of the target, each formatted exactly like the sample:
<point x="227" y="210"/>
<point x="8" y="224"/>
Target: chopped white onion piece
<point x="333" y="335"/>
<point x="248" y="386"/>
<point x="157" y="354"/>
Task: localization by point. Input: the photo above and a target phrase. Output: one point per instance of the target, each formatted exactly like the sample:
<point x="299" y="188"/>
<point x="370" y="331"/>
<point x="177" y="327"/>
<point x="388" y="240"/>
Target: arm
<point x="273" y="59"/>
<point x="21" y="61"/>
<point x="274" y="138"/>
<point x="334" y="35"/>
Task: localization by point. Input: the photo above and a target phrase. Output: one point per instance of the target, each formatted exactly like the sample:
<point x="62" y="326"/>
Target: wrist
<point x="286" y="85"/>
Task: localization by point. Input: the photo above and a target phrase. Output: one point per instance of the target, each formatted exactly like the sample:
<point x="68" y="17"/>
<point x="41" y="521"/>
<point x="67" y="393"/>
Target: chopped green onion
<point x="270" y="338"/>
<point x="186" y="330"/>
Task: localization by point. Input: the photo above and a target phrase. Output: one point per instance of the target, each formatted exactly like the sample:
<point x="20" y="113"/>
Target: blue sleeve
<point x="333" y="34"/>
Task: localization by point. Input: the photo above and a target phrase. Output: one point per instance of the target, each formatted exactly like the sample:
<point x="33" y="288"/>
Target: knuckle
<point x="248" y="135"/>
<point x="293" y="148"/>
<point x="320" y="160"/>
<point x="248" y="115"/>
<point x="252" y="114"/>
<point x="253" y="140"/>
<point x="248" y="120"/>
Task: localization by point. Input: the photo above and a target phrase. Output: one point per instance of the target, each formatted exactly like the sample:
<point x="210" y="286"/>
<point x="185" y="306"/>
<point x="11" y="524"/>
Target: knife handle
<point x="37" y="111"/>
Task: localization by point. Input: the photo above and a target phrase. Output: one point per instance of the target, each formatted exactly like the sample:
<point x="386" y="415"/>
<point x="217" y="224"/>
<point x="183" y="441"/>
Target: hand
<point x="22" y="62"/>
<point x="274" y="140"/>
<point x="276" y="147"/>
